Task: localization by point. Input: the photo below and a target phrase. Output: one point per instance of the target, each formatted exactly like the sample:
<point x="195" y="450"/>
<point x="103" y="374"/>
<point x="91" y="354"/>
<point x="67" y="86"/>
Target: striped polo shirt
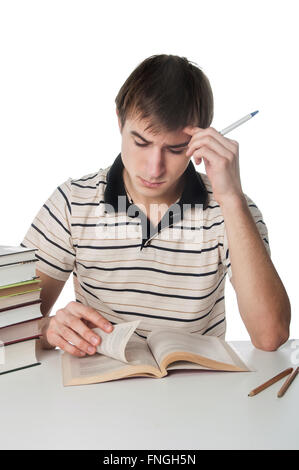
<point x="172" y="275"/>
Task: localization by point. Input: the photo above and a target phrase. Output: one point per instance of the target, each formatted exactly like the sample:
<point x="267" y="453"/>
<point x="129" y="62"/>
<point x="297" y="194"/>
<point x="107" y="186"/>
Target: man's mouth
<point x="148" y="184"/>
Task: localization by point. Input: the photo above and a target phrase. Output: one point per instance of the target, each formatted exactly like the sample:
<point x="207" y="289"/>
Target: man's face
<point x="156" y="158"/>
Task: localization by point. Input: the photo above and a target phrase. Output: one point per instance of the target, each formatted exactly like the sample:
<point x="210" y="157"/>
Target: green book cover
<point x="21" y="283"/>
<point x="18" y="293"/>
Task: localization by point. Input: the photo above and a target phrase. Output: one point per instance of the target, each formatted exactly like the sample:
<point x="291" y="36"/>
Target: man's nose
<point x="156" y="164"/>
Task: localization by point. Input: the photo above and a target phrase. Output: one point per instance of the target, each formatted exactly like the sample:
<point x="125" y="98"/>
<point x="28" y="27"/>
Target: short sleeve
<point x="51" y="233"/>
<point x="262" y="228"/>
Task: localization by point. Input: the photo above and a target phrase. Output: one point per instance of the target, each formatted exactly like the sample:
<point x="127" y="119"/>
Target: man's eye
<point x="176" y="152"/>
<point x="140" y="145"/>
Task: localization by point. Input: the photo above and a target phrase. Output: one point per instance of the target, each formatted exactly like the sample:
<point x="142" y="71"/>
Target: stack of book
<point x="19" y="308"/>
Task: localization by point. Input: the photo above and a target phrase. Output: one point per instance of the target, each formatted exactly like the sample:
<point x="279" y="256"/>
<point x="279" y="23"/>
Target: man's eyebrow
<point x="183" y="144"/>
<point x="140" y="137"/>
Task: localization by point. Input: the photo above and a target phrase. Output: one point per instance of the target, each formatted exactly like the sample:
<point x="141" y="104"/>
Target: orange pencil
<point x="287" y="383"/>
<point x="269" y="382"/>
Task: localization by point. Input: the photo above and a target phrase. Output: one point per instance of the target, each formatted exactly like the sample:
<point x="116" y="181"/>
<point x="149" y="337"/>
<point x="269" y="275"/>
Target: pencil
<point x="269" y="382"/>
<point x="287" y="383"/>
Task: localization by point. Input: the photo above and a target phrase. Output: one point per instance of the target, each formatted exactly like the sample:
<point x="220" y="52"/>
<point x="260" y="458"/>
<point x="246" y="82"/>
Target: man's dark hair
<point x="169" y="91"/>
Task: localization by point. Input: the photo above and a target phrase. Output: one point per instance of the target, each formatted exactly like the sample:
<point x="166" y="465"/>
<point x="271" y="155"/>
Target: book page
<point x="17" y="355"/>
<point x="89" y="369"/>
<point x="167" y="341"/>
<point x="114" y="344"/>
<point x="100" y="368"/>
<point x="138" y="352"/>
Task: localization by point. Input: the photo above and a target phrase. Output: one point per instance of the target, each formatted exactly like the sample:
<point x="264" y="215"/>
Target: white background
<point x="63" y="62"/>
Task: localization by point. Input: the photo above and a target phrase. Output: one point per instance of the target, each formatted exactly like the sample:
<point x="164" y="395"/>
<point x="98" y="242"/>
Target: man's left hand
<point x="221" y="158"/>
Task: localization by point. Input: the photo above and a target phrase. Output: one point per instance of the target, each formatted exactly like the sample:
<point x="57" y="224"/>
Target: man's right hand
<point x="72" y="324"/>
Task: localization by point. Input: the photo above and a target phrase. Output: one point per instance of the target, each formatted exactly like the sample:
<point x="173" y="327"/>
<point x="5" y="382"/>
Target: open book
<point x="122" y="353"/>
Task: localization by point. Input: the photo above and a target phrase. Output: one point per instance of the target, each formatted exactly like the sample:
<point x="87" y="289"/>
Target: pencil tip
<point x="254" y="113"/>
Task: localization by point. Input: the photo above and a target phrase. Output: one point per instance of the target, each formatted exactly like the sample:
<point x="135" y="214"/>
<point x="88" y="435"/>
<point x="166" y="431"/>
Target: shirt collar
<point x="194" y="191"/>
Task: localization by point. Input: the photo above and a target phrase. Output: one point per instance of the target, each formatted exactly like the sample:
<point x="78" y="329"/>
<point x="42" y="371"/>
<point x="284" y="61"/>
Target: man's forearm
<point x="262" y="299"/>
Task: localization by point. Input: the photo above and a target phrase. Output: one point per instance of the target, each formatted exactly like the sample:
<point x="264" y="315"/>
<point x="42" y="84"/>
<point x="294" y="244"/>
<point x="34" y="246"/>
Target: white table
<point x="185" y="410"/>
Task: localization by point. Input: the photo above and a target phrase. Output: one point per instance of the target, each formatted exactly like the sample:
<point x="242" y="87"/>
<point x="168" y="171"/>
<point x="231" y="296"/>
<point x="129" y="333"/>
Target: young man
<point x="149" y="237"/>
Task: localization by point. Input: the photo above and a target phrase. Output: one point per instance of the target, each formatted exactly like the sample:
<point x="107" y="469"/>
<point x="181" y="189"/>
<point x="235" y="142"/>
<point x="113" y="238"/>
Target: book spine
<point x="19" y="262"/>
<point x="12" y="307"/>
<point x="21" y="340"/>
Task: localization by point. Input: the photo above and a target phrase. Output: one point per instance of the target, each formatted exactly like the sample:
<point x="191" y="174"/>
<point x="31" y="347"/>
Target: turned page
<point x="114" y="344"/>
<point x="167" y="341"/>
